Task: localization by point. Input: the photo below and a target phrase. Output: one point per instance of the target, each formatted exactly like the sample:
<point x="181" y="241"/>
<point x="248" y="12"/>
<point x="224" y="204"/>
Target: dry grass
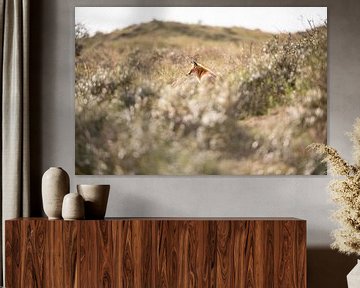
<point x="138" y="113"/>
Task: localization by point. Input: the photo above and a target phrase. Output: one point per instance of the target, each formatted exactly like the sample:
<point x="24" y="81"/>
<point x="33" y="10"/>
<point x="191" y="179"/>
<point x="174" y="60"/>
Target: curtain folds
<point x="14" y="28"/>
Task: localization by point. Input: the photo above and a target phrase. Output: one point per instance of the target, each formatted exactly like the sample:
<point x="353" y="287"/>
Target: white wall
<point x="298" y="196"/>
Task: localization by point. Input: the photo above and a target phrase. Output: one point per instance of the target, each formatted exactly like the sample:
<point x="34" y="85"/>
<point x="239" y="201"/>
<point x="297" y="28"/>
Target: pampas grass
<point x="345" y="192"/>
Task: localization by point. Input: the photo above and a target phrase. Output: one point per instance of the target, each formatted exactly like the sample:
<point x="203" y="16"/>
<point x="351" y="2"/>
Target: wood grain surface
<point x="157" y="253"/>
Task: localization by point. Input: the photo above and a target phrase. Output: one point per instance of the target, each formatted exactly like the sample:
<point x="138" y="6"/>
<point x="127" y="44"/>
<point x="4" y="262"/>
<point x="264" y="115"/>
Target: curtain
<point x="14" y="27"/>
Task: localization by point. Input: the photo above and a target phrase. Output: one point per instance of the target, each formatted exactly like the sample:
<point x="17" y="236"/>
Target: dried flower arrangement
<point x="345" y="191"/>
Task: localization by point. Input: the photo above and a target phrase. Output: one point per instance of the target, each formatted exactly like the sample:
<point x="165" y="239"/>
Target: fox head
<point x="201" y="72"/>
<point x="193" y="68"/>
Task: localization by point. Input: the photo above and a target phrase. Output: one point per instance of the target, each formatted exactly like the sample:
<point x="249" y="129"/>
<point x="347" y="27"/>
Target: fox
<point x="202" y="73"/>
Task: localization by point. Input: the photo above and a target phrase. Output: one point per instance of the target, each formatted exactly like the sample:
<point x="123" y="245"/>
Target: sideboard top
<point x="174" y="219"/>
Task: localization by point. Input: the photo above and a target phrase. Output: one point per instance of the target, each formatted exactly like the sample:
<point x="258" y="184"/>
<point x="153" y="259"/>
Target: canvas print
<point x="200" y="90"/>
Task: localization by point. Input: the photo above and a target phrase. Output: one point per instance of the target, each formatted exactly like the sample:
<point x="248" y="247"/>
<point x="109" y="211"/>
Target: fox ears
<point x="194" y="63"/>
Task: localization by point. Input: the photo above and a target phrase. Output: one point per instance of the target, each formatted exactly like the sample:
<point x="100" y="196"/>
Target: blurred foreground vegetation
<point x="138" y="113"/>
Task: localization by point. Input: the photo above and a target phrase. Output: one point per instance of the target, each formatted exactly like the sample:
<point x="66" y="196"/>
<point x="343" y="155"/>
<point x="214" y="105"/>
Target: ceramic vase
<point x="353" y="278"/>
<point x="55" y="185"/>
<point x="73" y="207"/>
<point x="96" y="198"/>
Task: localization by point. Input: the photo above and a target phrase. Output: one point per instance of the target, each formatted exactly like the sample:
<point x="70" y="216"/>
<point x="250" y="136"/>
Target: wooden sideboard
<point x="156" y="252"/>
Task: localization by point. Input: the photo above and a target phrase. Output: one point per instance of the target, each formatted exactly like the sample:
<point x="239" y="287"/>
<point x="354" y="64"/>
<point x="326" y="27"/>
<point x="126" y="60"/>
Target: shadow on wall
<point x="328" y="268"/>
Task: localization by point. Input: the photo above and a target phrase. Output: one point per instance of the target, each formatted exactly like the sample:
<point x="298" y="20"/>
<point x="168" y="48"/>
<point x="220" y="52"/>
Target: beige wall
<point x="53" y="129"/>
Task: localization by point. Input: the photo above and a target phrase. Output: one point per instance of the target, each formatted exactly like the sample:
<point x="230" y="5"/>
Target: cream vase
<point x="55" y="185"/>
<point x="353" y="278"/>
<point x="73" y="207"/>
<point x="96" y="198"/>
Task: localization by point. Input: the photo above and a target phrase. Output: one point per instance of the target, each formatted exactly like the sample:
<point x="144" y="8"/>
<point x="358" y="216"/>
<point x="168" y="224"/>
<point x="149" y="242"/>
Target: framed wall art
<point x="200" y="90"/>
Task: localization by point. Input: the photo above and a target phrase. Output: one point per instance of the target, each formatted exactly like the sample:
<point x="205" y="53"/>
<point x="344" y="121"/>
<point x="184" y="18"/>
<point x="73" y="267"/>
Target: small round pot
<point x="73" y="207"/>
<point x="96" y="198"/>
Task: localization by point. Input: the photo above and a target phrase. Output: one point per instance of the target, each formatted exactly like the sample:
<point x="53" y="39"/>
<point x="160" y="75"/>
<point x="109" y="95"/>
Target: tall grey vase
<point x="55" y="185"/>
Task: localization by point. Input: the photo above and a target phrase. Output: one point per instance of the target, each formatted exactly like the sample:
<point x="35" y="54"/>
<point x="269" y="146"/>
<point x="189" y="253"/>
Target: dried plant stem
<point x="345" y="192"/>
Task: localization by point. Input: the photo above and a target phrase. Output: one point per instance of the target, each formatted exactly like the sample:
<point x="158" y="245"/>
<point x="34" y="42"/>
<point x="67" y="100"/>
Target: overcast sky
<point x="271" y="19"/>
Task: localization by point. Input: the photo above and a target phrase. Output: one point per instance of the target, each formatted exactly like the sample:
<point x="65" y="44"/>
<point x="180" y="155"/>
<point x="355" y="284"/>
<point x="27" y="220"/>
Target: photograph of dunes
<point x="200" y="90"/>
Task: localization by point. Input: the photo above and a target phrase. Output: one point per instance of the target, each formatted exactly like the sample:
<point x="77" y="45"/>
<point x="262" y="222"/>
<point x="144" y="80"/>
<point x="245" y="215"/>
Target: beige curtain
<point x="14" y="27"/>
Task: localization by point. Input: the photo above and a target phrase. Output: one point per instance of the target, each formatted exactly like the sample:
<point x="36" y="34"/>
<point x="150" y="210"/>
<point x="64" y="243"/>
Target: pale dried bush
<point x="137" y="112"/>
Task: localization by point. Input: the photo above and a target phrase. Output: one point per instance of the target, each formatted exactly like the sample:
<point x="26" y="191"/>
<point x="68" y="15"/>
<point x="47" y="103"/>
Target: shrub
<point x="137" y="112"/>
